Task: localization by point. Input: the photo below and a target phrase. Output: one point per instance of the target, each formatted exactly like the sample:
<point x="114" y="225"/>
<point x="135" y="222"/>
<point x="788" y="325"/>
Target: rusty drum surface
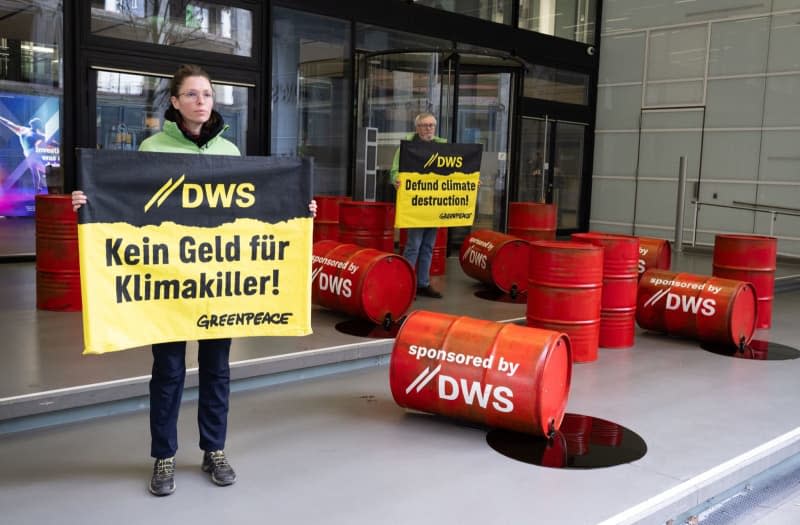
<point x="501" y="375"/>
<point x="58" y="278"/>
<point x="532" y="220"/>
<point x="654" y="254"/>
<point x="497" y="259"/>
<point x="565" y="281"/>
<point x="709" y="309"/>
<point x="750" y="258"/>
<point x="367" y="224"/>
<point x="362" y="282"/>
<point x="620" y="280"/>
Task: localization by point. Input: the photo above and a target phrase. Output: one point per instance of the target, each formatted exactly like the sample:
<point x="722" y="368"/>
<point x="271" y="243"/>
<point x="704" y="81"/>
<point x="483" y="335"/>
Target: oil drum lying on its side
<point x="710" y="309"/>
<point x="750" y="258"/>
<point x="497" y="259"/>
<point x="362" y="282"/>
<point x="501" y="375"/>
<point x="654" y="254"/>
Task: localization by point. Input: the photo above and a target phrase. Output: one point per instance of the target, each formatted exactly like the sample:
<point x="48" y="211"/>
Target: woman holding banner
<point x="191" y="126"/>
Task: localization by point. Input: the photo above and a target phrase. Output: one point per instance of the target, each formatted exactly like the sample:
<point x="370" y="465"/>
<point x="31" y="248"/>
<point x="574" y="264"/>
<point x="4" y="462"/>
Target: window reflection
<point x="311" y="94"/>
<point x="131" y="107"/>
<point x="493" y="10"/>
<point x="204" y="26"/>
<point x="570" y="19"/>
<point x="557" y="84"/>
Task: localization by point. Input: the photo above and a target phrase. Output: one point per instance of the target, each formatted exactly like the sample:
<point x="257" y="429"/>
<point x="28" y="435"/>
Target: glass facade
<point x="31" y="65"/>
<point x="310" y="103"/>
<point x="493" y="10"/>
<point x="559" y="85"/>
<point x="201" y="26"/>
<point x="570" y="19"/>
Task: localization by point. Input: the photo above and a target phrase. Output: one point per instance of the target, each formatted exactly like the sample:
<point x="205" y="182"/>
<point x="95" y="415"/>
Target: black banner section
<point x="197" y="190"/>
<point x="440" y="158"/>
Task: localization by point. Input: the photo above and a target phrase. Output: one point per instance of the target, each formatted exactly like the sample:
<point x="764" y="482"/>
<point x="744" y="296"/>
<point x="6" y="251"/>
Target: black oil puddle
<point x="582" y="442"/>
<point x="362" y="328"/>
<point x="756" y="350"/>
<point x="501" y="297"/>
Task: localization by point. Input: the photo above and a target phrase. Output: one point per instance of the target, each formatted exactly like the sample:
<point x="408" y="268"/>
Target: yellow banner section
<point x="151" y="284"/>
<point x="430" y="200"/>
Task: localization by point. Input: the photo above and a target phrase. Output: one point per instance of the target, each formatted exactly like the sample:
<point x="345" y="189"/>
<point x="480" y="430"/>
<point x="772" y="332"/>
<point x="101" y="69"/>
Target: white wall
<point x="716" y="81"/>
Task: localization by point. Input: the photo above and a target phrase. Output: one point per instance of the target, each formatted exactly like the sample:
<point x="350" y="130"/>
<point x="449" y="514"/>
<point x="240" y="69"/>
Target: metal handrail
<point x="769" y="206"/>
<point x="772" y="212"/>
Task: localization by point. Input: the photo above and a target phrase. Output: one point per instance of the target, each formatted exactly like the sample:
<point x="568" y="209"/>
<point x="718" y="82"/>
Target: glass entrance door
<point x="470" y="95"/>
<point x="551" y="166"/>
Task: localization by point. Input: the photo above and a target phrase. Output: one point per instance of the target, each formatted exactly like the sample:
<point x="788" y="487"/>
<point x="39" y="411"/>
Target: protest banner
<point x="438" y="184"/>
<point x="177" y="247"/>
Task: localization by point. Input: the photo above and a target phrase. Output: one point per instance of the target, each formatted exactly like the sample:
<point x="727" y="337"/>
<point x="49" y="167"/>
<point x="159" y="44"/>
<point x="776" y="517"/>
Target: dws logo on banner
<point x="444" y="161"/>
<point x="216" y="195"/>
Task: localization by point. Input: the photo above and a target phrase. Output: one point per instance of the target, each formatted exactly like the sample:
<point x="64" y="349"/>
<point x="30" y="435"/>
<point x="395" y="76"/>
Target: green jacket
<point x="172" y="140"/>
<point x="396" y="161"/>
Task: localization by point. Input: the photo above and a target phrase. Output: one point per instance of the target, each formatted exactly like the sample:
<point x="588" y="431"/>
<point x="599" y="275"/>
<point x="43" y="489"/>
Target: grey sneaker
<point x="217" y="464"/>
<point x="163" y="481"/>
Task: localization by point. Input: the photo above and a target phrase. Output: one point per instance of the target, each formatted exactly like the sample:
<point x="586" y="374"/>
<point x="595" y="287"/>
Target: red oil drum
<point x="497" y="259"/>
<point x="58" y="276"/>
<point x="710" y="309"/>
<point x="620" y="280"/>
<point x="654" y="254"/>
<point x="439" y="260"/>
<point x="367" y="224"/>
<point x="750" y="258"/>
<point x="501" y="375"/>
<point x="565" y="281"/>
<point x="326" y="223"/>
<point x="362" y="282"/>
<point x="532" y="220"/>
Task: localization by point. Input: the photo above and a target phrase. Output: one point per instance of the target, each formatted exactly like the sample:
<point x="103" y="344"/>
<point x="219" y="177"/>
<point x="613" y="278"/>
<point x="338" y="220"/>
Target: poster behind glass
<point x="29" y="142"/>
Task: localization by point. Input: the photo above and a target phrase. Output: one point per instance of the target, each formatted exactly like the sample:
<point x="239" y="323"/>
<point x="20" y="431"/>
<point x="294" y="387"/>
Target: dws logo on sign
<point x="213" y="195"/>
<point x="451" y="389"/>
<point x="688" y="304"/>
<point x="444" y="161"/>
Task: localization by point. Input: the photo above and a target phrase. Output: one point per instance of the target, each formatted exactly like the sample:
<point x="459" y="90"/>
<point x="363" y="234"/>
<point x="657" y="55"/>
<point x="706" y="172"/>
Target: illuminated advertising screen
<point x="29" y="142"/>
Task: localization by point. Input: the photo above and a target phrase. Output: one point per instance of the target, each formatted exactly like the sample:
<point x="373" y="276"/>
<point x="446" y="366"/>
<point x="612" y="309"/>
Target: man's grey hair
<point x="424" y="115"/>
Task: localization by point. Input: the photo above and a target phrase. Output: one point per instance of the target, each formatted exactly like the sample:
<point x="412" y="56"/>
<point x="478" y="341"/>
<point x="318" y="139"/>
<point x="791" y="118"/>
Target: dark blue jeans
<point x="419" y="252"/>
<point x="166" y="391"/>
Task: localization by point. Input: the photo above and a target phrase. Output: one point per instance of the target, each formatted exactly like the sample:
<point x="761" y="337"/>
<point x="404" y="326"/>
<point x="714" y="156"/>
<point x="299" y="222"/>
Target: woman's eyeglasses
<point x="194" y="96"/>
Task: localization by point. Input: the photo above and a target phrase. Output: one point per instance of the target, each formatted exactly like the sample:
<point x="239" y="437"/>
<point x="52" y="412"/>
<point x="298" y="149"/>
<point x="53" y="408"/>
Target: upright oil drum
<point x="620" y="280"/>
<point x="362" y="282"/>
<point x="501" y="375"/>
<point x="326" y="223"/>
<point x="750" y="258"/>
<point x="497" y="259"/>
<point x="439" y="256"/>
<point x="532" y="220"/>
<point x="58" y="277"/>
<point x="654" y="254"/>
<point x="367" y="224"/>
<point x="565" y="282"/>
<point x="709" y="309"/>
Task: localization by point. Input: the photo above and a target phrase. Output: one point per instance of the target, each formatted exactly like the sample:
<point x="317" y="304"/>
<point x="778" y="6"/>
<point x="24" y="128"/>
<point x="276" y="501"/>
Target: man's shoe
<point x="163" y="481"/>
<point x="428" y="291"/>
<point x="217" y="464"/>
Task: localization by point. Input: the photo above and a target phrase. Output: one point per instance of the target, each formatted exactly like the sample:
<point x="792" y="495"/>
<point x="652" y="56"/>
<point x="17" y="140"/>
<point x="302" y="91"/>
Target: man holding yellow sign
<point x="437" y="185"/>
